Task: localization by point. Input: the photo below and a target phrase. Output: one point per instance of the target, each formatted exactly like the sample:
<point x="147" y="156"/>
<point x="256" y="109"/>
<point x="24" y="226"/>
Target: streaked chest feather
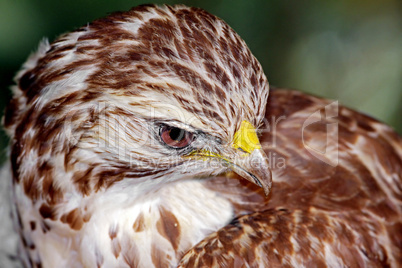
<point x="155" y="231"/>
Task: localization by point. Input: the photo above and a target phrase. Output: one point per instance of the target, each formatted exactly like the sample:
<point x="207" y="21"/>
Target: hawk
<point x="147" y="139"/>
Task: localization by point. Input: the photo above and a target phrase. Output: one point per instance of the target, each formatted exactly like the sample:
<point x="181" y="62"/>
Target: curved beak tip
<point x="264" y="181"/>
<point x="255" y="168"/>
<point x="267" y="188"/>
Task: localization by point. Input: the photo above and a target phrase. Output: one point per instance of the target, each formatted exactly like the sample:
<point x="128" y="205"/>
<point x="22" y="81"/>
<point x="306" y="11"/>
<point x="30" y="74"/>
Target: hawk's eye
<point x="175" y="137"/>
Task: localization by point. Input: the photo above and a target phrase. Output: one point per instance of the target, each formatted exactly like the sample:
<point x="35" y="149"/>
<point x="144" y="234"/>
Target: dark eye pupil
<point x="175" y="137"/>
<point x="176" y="134"/>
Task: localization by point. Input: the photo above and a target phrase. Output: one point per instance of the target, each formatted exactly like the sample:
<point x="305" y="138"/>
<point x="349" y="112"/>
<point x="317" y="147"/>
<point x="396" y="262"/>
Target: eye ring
<point x="175" y="137"/>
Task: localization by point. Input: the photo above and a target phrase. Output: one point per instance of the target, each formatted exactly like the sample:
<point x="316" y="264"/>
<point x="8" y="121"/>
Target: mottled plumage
<point x="124" y="135"/>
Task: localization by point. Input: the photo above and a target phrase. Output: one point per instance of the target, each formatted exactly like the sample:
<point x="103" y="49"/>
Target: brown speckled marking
<point x="159" y="257"/>
<point x="169" y="227"/>
<point x="73" y="218"/>
<point x="113" y="230"/>
<point x="130" y="252"/>
<point x="99" y="258"/>
<point x="32" y="224"/>
<point x="139" y="224"/>
<point x="47" y="212"/>
<point x="116" y="247"/>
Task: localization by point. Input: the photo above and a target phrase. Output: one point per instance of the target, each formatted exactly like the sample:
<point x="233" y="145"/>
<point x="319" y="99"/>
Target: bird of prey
<point x="147" y="139"/>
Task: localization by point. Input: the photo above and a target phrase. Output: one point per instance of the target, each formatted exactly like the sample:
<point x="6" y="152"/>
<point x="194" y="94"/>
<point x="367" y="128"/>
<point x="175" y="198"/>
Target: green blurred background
<point x="350" y="51"/>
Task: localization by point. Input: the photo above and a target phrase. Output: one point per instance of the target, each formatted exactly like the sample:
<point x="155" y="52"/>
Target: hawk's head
<point x="142" y="97"/>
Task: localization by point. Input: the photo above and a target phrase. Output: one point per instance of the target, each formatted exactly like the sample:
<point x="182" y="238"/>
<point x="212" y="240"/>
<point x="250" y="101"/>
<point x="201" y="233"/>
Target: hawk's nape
<point x="147" y="139"/>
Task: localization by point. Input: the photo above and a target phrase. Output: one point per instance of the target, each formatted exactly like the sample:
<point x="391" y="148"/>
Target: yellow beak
<point x="253" y="164"/>
<point x="245" y="157"/>
<point x="246" y="138"/>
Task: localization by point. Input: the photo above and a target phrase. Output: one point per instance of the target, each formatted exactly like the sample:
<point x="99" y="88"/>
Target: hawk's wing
<point x="347" y="212"/>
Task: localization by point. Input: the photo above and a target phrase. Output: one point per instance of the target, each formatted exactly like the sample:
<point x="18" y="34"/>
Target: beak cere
<point x="250" y="162"/>
<point x="245" y="138"/>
